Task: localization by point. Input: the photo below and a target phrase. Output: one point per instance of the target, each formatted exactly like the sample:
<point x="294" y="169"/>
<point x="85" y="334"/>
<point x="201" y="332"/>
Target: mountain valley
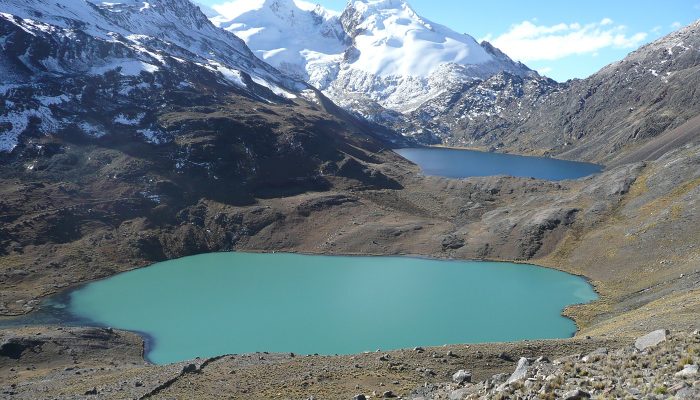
<point x="137" y="132"/>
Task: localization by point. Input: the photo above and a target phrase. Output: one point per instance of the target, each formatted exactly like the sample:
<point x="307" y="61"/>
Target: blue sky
<point x="561" y="39"/>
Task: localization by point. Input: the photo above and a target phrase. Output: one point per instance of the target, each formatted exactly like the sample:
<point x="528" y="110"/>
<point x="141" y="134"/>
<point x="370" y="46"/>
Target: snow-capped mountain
<point x="53" y="51"/>
<point x="302" y="40"/>
<point x="375" y="55"/>
<point x="149" y="103"/>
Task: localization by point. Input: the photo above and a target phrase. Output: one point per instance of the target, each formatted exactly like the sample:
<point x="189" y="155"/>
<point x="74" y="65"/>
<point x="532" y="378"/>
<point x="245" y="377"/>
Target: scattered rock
<point x="360" y="397"/>
<point x="650" y="340"/>
<point x="91" y="392"/>
<point x="388" y="394"/>
<point x="688" y="371"/>
<point x="520" y="370"/>
<point x="595" y="355"/>
<point x="505" y="357"/>
<point x="462" y="376"/>
<point x="458" y="394"/>
<point x="189" y="368"/>
<point x="452" y="242"/>
<point x="577" y="394"/>
<point x="677" y="387"/>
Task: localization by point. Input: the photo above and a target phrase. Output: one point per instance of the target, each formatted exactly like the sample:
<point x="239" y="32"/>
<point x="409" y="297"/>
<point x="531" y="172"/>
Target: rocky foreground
<point x="657" y="366"/>
<point x="88" y="363"/>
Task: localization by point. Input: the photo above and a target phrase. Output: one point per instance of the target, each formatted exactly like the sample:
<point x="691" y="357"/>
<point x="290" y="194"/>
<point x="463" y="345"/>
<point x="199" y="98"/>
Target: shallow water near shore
<point x="227" y="303"/>
<point x="458" y="163"/>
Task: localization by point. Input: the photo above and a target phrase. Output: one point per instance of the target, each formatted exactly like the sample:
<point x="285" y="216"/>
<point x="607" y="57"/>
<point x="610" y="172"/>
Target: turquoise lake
<point x="456" y="163"/>
<point x="227" y="303"/>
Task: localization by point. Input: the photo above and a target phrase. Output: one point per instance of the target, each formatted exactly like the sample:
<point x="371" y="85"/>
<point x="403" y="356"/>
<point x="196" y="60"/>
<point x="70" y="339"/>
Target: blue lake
<point x="457" y="163"/>
<point x="228" y="303"/>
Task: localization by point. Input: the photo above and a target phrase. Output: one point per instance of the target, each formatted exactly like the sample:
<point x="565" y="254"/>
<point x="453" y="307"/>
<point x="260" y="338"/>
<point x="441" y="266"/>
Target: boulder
<point x="189" y="368"/>
<point x="360" y="397"/>
<point x="458" y="394"/>
<point x="595" y="355"/>
<point x="520" y="370"/>
<point x="577" y="394"/>
<point x="505" y="356"/>
<point x="462" y="376"/>
<point x="688" y="371"/>
<point x="452" y="242"/>
<point x="651" y="340"/>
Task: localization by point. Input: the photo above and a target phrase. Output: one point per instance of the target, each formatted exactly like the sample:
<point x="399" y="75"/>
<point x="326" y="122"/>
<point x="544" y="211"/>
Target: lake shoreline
<point x="359" y="264"/>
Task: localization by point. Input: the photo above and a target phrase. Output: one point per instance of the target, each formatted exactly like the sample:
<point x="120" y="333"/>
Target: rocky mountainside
<point x="381" y="60"/>
<point x="377" y="58"/>
<point x="157" y="75"/>
<point x="132" y="112"/>
<point x="651" y="93"/>
<point x="63" y="61"/>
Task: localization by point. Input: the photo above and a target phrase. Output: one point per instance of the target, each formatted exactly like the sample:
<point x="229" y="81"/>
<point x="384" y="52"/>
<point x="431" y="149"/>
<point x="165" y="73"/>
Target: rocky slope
<point x="613" y="112"/>
<point x="111" y="69"/>
<point x="117" y="112"/>
<point x="100" y="363"/>
<point x="384" y="62"/>
<point x="658" y="365"/>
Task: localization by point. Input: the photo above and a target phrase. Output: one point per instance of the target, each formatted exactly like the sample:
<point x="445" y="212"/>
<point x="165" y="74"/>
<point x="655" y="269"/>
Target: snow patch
<point x="274" y="88"/>
<point x="231" y="75"/>
<point x="125" y="67"/>
<point x="127" y="89"/>
<point x="152" y="197"/>
<point x="52" y="100"/>
<point x="123" y="119"/>
<point x="13" y="124"/>
<point x="7" y="87"/>
<point x="152" y="136"/>
<point x="310" y="95"/>
<point x="91" y="130"/>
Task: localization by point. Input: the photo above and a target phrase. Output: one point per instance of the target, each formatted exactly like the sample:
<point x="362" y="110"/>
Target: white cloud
<point x="527" y="41"/>
<point x="545" y="70"/>
<point x="676" y="25"/>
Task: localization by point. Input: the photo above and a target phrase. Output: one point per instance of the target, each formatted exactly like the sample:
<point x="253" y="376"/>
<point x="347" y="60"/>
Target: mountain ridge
<point x="379" y="52"/>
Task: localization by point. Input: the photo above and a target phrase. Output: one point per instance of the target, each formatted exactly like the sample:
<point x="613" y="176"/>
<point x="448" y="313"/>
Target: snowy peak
<point x="374" y="52"/>
<point x="286" y="10"/>
<point x="292" y="36"/>
<point x="393" y="40"/>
